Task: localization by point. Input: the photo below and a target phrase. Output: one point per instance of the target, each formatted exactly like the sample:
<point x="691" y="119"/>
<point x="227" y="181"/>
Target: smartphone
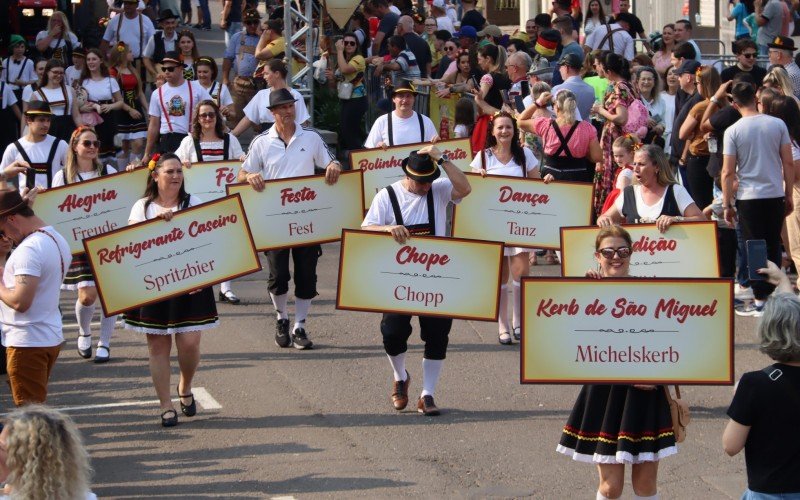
<point x="756" y="258"/>
<point x="519" y="104"/>
<point x="504" y="95"/>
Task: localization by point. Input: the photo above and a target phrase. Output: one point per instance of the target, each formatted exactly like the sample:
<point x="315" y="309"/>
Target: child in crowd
<point x="465" y="117"/>
<point x="622" y="151"/>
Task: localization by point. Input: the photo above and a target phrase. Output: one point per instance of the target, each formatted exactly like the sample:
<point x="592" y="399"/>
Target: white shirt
<point x="130" y="32"/>
<point x="100" y="90"/>
<point x="445" y="23"/>
<point x="58" y="179"/>
<point x="512" y="168"/>
<point x="413" y="207"/>
<point x="221" y="94"/>
<point x="651" y="212"/>
<point x="40" y="325"/>
<point x="24" y="70"/>
<point x="669" y="118"/>
<point x="55" y="97"/>
<point x="623" y="43"/>
<point x="172" y="106"/>
<point x="405" y="130"/>
<point x="153" y="209"/>
<point x="186" y="151"/>
<point x="71" y="74"/>
<point x="169" y="43"/>
<point x="8" y="98"/>
<point x="275" y="160"/>
<point x="38" y="153"/>
<point x="59" y="42"/>
<point x="256" y="110"/>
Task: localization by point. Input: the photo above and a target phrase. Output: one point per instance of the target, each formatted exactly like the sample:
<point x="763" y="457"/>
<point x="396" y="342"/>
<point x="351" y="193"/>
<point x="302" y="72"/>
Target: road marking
<point x="204" y="398"/>
<point x="207" y="402"/>
<point x="283" y="498"/>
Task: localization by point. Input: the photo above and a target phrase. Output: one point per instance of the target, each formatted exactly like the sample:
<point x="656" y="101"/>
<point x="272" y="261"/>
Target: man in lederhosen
<point x="133" y="28"/>
<point x="171" y="108"/>
<point x="240" y="56"/>
<point x="416" y="205"/>
<point x="37" y="153"/>
<point x="163" y="41"/>
<point x="403" y="125"/>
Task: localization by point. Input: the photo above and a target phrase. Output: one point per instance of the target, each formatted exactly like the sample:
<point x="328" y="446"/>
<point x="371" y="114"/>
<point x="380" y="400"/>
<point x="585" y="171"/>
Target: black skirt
<point x="185" y="313"/>
<point x="9" y="132"/>
<point x="79" y="274"/>
<point x="615" y="424"/>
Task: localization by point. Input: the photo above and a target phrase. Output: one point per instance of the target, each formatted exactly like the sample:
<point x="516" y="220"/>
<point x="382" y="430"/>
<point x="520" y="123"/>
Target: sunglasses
<point x="168" y="69"/>
<point x="350" y="42"/>
<point x="448" y="49"/>
<point x="608" y="253"/>
<point x="207" y="115"/>
<point x="251" y="22"/>
<point x="90" y="144"/>
<point x="749" y="55"/>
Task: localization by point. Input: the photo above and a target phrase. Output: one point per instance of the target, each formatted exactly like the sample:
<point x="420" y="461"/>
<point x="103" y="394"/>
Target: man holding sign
<point x="284" y="151"/>
<point x="417" y="205"/>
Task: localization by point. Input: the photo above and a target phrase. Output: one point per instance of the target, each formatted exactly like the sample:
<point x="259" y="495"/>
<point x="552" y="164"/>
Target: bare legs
<point x="644" y="477"/>
<point x="159" y="347"/>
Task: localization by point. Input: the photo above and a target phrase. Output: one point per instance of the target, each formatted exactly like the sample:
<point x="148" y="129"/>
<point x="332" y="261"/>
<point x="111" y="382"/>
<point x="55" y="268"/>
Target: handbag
<point x="344" y="90"/>
<point x="679" y="410"/>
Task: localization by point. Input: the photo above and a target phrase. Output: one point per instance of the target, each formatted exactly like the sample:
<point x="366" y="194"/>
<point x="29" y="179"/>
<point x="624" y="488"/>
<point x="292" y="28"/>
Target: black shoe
<point x="85" y="353"/>
<point x="197" y="26"/>
<point x="189" y="410"/>
<point x="169" y="421"/>
<point x="102" y="357"/>
<point x="229" y="297"/>
<point x="282" y="338"/>
<point x="205" y="28"/>
<point x="300" y="339"/>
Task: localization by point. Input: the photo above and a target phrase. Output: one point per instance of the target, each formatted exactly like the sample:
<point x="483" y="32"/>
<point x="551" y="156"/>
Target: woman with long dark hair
<point x="488" y="98"/>
<point x="207" y="72"/>
<point x="102" y="89"/>
<point x="662" y="57"/>
<point x="505" y="156"/>
<point x="131" y="117"/>
<point x="595" y="17"/>
<point x="184" y="316"/>
<point x="348" y="79"/>
<point x="61" y="98"/>
<point x="187" y="48"/>
<point x="83" y="164"/>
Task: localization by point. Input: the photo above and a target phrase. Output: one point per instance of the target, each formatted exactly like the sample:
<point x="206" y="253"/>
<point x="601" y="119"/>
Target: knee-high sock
<point x="600" y="496"/>
<point x="225" y="286"/>
<point x="301" y="307"/>
<point x="516" y="319"/>
<point x="106" y="329"/>
<point x="398" y="366"/>
<point x="279" y="301"/>
<point x="502" y="318"/>
<point x="431" y="369"/>
<point x="84" y="315"/>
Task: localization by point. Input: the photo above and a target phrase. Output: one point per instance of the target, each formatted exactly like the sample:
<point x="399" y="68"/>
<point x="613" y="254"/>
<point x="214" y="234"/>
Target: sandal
<point x="551" y="259"/>
<point x="533" y="259"/>
<point x="189" y="410"/>
<point x="505" y="338"/>
<point x="85" y="353"/>
<point x="169" y="421"/>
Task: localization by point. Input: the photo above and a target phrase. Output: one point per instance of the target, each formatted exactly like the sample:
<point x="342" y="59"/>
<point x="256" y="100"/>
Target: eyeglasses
<point x="350" y="42"/>
<point x="749" y="55"/>
<point x="511" y="66"/>
<point x="608" y="253"/>
<point x="208" y="116"/>
<point x="57" y="73"/>
<point x="90" y="144"/>
<point x="168" y="69"/>
<point x="430" y="25"/>
<point x="448" y="49"/>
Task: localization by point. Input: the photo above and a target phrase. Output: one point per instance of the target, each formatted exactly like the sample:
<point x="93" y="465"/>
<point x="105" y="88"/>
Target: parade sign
<point x="686" y="250"/>
<point x="381" y="168"/>
<point x="207" y="180"/>
<point x="91" y="207"/>
<point x="427" y="275"/>
<point x="154" y="260"/>
<point x="443" y="112"/>
<point x="521" y="212"/>
<point x="627" y="331"/>
<point x="301" y="211"/>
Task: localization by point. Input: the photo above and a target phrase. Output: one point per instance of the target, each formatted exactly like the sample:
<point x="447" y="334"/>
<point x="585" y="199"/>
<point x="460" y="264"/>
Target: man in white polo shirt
<point x="287" y="150"/>
<point x="171" y="108"/>
<point x="403" y="125"/>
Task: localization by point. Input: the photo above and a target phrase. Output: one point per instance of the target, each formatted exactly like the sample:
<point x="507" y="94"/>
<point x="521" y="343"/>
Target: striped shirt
<point x="409" y="69"/>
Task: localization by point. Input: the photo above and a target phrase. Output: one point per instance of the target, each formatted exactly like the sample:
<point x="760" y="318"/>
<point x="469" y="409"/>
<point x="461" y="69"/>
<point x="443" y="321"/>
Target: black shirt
<point x="387" y="25"/>
<point x="473" y="18"/>
<point x="686" y="102"/>
<point x="421" y="50"/>
<point x="720" y="120"/>
<point x="772" y="410"/>
<point x="757" y="72"/>
<point x="235" y="15"/>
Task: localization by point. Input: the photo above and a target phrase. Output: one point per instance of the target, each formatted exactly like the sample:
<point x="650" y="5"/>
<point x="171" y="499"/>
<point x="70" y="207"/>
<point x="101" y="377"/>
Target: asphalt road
<point x="278" y="423"/>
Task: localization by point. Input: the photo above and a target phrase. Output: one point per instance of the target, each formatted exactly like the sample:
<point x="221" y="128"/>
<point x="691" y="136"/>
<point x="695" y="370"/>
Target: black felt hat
<point x="421" y="167"/>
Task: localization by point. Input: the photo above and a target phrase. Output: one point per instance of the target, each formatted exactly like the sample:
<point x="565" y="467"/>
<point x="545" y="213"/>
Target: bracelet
<point x="714" y="100"/>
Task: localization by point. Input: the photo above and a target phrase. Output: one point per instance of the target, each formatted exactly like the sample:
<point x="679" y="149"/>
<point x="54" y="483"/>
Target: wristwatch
<point x="442" y="159"/>
<point x="714" y="99"/>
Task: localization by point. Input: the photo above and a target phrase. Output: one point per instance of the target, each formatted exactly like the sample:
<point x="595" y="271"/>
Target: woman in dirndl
<point x="61" y="98"/>
<point x="81" y="165"/>
<point x="102" y="90"/>
<point x="131" y="117"/>
<point x="184" y="316"/>
<point x="505" y="156"/>
<point x="614" y="425"/>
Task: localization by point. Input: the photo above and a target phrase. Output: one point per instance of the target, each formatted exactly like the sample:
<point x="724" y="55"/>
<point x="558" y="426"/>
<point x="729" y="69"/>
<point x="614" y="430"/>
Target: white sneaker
<point x="742" y="292"/>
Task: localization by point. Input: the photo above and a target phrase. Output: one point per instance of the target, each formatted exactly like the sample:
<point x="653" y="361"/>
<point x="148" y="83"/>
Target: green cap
<point x="16" y="40"/>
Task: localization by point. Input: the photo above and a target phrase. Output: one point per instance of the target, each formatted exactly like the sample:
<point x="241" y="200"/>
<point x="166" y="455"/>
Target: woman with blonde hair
<point x="777" y="78"/>
<point x="57" y="41"/>
<point x="83" y="164"/>
<point x="42" y="456"/>
<point x="131" y="117"/>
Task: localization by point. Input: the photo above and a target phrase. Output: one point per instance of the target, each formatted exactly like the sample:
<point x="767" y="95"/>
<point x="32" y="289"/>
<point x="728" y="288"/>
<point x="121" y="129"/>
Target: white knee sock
<point x="600" y="496"/>
<point x="84" y="315"/>
<point x="106" y="329"/>
<point x="516" y="319"/>
<point x="301" y="307"/>
<point x="225" y="286"/>
<point x="279" y="301"/>
<point x="431" y="369"/>
<point x="502" y="318"/>
<point x="398" y="366"/>
<point x="651" y="497"/>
